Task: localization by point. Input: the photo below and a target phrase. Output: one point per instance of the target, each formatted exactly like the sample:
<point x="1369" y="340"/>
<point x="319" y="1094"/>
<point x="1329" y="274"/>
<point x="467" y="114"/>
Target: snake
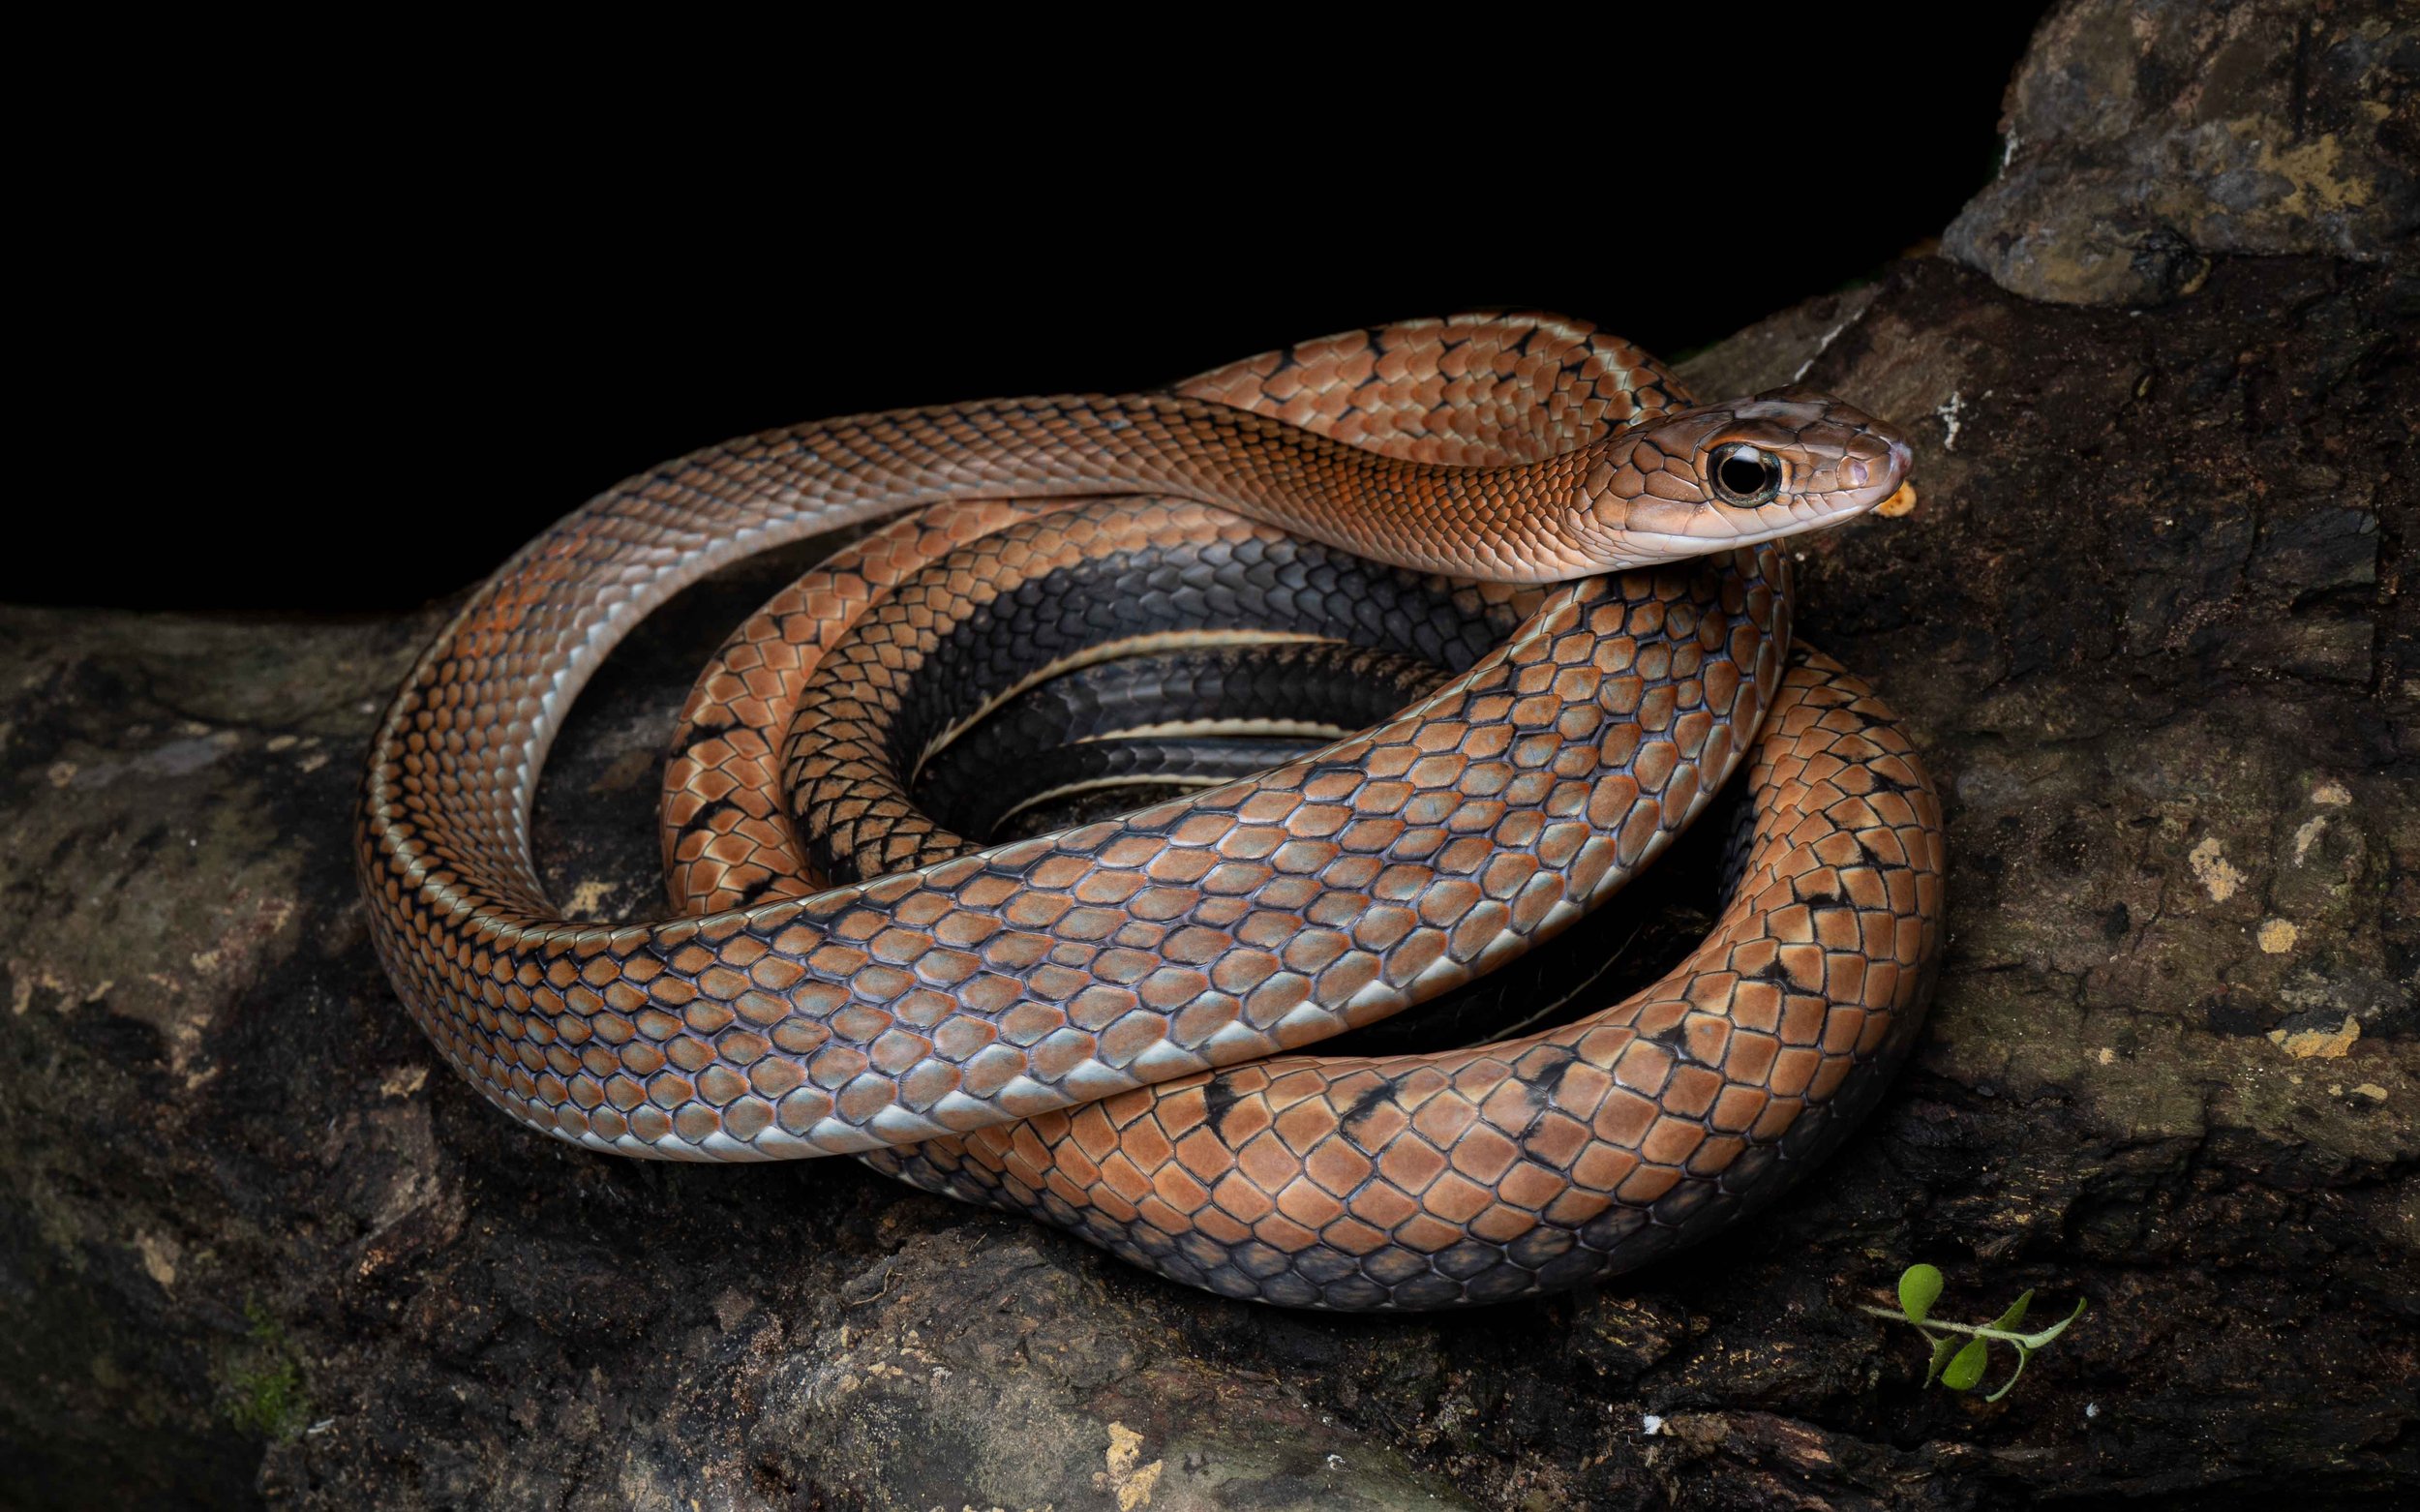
<point x="1106" y="1027"/>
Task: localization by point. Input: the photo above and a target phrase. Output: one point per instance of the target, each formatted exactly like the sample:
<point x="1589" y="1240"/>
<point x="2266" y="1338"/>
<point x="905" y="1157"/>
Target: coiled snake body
<point x="1100" y="1026"/>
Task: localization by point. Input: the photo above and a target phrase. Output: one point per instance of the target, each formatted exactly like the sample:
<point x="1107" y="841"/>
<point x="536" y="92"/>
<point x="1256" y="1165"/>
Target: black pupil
<point x="1744" y="472"/>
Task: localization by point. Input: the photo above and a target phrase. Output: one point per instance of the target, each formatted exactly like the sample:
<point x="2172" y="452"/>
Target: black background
<point x="325" y="357"/>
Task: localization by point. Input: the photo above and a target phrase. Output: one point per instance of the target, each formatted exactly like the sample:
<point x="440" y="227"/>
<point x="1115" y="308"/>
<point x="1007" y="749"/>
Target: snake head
<point x="1732" y="474"/>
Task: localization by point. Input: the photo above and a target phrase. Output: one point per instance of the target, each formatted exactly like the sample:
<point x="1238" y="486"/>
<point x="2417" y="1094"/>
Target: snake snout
<point x="1853" y="462"/>
<point x="1875" y="464"/>
<point x="1870" y="460"/>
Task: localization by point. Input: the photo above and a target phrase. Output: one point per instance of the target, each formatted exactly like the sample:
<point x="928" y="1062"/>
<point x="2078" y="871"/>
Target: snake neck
<point x="1507" y="523"/>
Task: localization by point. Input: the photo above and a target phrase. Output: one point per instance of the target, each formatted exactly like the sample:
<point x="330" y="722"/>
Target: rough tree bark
<point x="2150" y="622"/>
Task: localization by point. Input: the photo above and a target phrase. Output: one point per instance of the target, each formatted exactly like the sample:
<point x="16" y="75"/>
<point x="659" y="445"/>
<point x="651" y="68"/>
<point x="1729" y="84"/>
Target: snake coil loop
<point x="1101" y="1027"/>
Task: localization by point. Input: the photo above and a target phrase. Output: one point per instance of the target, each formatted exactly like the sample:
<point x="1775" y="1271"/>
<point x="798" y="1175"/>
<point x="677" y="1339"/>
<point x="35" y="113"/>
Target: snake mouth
<point x="1662" y="545"/>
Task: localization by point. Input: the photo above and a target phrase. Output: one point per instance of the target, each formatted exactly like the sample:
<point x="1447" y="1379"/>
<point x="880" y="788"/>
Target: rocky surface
<point x="2144" y="137"/>
<point x="2149" y="621"/>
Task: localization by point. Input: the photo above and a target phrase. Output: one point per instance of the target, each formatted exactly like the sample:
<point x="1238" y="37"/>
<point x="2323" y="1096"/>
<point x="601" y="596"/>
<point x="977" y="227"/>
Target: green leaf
<point x="2037" y="1340"/>
<point x="1919" y="1288"/>
<point x="1943" y="1348"/>
<point x="1967" y="1367"/>
<point x="2016" y="1314"/>
<point x="2009" y="1384"/>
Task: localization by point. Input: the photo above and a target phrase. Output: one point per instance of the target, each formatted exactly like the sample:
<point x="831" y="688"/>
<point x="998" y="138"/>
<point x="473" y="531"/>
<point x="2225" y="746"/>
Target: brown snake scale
<point x="1100" y="1026"/>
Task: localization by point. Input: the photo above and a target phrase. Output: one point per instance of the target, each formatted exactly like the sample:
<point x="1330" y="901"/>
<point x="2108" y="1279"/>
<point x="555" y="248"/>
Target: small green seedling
<point x="265" y="1388"/>
<point x="1959" y="1366"/>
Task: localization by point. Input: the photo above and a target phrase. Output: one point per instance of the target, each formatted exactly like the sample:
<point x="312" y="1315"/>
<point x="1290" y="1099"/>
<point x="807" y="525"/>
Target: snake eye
<point x="1746" y="476"/>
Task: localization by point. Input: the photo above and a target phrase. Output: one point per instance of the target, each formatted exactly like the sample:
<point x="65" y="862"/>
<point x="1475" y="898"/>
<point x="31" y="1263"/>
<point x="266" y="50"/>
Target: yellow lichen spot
<point x="1128" y="1478"/>
<point x="588" y="897"/>
<point x="30" y="977"/>
<point x="403" y="1083"/>
<point x="2317" y="171"/>
<point x="2278" y="936"/>
<point x="2106" y="1056"/>
<point x="2370" y="1090"/>
<point x="2309" y="836"/>
<point x="2211" y="868"/>
<point x="2318" y="1043"/>
<point x="1899" y="504"/>
<point x="61" y="774"/>
<point x="2332" y="794"/>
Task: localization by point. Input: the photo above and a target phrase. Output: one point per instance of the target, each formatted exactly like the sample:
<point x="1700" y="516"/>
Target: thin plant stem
<point x="1977" y="1330"/>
